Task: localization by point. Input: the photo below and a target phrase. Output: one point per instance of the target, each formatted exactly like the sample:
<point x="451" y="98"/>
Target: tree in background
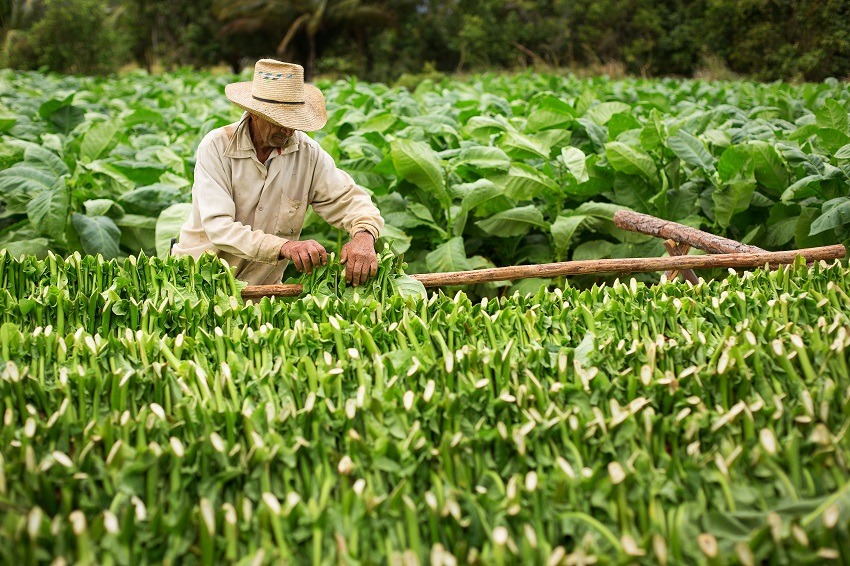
<point x="185" y="33"/>
<point x="15" y="17"/>
<point x="68" y="36"/>
<point x="302" y="19"/>
<point x="384" y="39"/>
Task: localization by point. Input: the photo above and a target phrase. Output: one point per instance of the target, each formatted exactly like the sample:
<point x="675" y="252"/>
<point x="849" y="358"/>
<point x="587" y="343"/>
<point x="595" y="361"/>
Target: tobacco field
<point x="149" y="415"/>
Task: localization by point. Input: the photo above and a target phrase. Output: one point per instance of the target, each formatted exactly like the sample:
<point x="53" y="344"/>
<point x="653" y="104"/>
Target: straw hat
<point x="279" y="95"/>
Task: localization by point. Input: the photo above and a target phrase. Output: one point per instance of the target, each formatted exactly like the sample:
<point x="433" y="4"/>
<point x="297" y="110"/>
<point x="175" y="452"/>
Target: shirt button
<point x="261" y="208"/>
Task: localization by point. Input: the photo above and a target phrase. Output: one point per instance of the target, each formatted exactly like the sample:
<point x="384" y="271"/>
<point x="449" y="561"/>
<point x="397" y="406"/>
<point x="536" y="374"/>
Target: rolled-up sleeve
<point x="213" y="193"/>
<point x="337" y="198"/>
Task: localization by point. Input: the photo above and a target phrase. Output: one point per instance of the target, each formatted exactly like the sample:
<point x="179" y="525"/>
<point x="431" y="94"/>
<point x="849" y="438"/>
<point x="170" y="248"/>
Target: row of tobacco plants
<point x="149" y="415"/>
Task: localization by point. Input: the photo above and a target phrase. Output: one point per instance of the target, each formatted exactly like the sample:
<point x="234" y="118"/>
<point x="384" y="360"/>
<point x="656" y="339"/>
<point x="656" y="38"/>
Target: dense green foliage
<point x="149" y="416"/>
<point x="493" y="170"/>
<point x="383" y="39"/>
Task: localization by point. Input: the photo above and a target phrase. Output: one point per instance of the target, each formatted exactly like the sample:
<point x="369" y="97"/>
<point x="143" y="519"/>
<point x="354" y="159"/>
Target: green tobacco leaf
<point x="835" y="213"/>
<point x="483" y="158"/>
<point x="474" y="194"/>
<point x="832" y="115"/>
<point x="98" y="234"/>
<point x="98" y="140"/>
<point x="604" y="210"/>
<point x="513" y="222"/>
<point x="482" y="127"/>
<point x="804" y="188"/>
<point x="521" y="146"/>
<point x="106" y="169"/>
<point x="48" y="210"/>
<point x="35" y="246"/>
<point x="549" y="112"/>
<point x="45" y="159"/>
<point x="378" y="123"/>
<point x="843" y="152"/>
<point x="399" y="241"/>
<point x="528" y="286"/>
<point x="137" y="233"/>
<point x="141" y="173"/>
<point x="417" y="163"/>
<point x="803" y="237"/>
<point x="602" y="113"/>
<point x="598" y="134"/>
<point x="730" y="199"/>
<point x="575" y="161"/>
<point x="654" y="133"/>
<point x="7" y="119"/>
<point x="770" y="170"/>
<point x="103" y="207"/>
<point x="586" y="349"/>
<point x="631" y="160"/>
<point x="781" y="225"/>
<point x="25" y="178"/>
<point x="636" y="194"/>
<point x="65" y="118"/>
<point x="525" y="183"/>
<point x="563" y="230"/>
<point x="407" y="286"/>
<point x="150" y="201"/>
<point x="691" y="150"/>
<point x="168" y="226"/>
<point x="736" y="162"/>
<point x="620" y="123"/>
<point x="831" y="139"/>
<point x="450" y="256"/>
<point x="143" y="116"/>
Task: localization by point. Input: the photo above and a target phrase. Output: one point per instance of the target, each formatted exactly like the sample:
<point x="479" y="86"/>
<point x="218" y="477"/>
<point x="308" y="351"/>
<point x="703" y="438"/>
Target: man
<point x="255" y="178"/>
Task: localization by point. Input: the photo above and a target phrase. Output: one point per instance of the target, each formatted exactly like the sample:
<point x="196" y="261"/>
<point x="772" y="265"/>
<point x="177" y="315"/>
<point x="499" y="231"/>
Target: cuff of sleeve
<point x="269" y="251"/>
<point x="370" y="228"/>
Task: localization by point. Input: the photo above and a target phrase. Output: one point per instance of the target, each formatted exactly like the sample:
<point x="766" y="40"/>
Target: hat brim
<point x="306" y="117"/>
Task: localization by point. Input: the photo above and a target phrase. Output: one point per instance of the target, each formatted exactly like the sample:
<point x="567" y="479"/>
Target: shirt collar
<point x="241" y="145"/>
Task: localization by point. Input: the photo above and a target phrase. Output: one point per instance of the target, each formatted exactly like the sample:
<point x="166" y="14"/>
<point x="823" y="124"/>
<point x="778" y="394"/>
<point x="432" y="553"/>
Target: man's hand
<point x="359" y="258"/>
<point x="306" y="255"/>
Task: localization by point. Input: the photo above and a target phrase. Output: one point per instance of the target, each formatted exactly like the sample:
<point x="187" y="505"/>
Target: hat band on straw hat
<point x="277" y="101"/>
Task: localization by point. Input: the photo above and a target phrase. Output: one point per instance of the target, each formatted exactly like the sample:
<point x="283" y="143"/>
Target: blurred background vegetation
<point x="402" y="40"/>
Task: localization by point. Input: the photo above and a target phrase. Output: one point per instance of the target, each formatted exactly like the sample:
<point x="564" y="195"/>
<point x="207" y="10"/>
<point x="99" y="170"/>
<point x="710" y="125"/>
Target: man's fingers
<point x="365" y="269"/>
<point x="323" y="255"/>
<point x="343" y="254"/>
<point x="315" y="257"/>
<point x="355" y="272"/>
<point x="373" y="271"/>
<point x="306" y="262"/>
<point x="349" y="273"/>
<point x="296" y="259"/>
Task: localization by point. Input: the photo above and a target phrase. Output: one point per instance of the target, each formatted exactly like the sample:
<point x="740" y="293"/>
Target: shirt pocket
<point x="291" y="218"/>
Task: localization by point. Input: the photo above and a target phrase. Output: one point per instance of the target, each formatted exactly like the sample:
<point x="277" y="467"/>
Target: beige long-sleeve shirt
<point x="244" y="210"/>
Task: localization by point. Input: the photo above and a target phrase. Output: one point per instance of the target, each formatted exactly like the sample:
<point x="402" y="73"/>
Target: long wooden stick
<point x="667" y="229"/>
<point x="628" y="265"/>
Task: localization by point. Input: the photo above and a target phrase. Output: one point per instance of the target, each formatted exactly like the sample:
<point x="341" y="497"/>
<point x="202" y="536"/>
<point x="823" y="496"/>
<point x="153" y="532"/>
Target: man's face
<point x="267" y="134"/>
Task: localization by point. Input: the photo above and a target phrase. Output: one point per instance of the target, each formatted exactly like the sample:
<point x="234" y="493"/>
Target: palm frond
<point x="290" y="33"/>
<point x="248" y="24"/>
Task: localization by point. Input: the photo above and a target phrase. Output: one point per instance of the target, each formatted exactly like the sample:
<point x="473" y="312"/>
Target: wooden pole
<point x="680" y="249"/>
<point x="627" y="265"/>
<point x="669" y="230"/>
